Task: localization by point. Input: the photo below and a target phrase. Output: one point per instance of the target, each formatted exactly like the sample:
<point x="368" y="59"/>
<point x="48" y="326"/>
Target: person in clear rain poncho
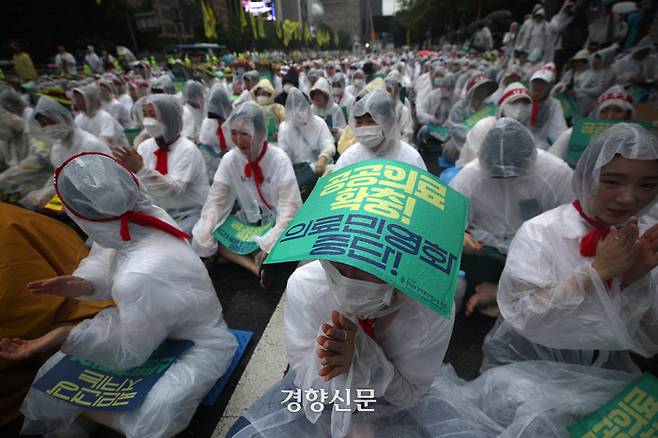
<point x="170" y="166"/>
<point x="263" y="94"/>
<point x="478" y="88"/>
<point x="54" y="124"/>
<point x="614" y="104"/>
<point x="579" y="285"/>
<point x="306" y="139"/>
<point x="547" y="121"/>
<point x="256" y="175"/>
<point x="342" y="98"/>
<point x="194" y="96"/>
<point x="357" y="83"/>
<point x="348" y="330"/>
<point x="639" y="67"/>
<point x="161" y="290"/>
<point x="24" y="160"/>
<point x="162" y="85"/>
<point x="14" y="103"/>
<point x="374" y="123"/>
<point x="112" y="105"/>
<point x="325" y="107"/>
<point x="405" y="122"/>
<point x="92" y="118"/>
<point x="510" y="183"/>
<point x="434" y="106"/>
<point x="211" y="134"/>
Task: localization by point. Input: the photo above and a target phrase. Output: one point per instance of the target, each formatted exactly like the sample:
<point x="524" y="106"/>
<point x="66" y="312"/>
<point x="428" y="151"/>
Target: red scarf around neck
<point x="368" y="326"/>
<point x="253" y="167"/>
<point x="590" y="241"/>
<point x="535" y="111"/>
<point x="220" y="136"/>
<point x="162" y="155"/>
<point x="146" y="220"/>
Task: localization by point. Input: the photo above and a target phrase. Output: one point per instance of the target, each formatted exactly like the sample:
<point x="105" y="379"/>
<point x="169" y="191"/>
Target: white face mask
<point x="358" y="83"/>
<point x="357" y="297"/>
<point x="155" y="128"/>
<point x="262" y="100"/>
<point x="369" y="136"/>
<point x="287" y="88"/>
<point x="56" y="132"/>
<point x="337" y="91"/>
<point x="518" y="110"/>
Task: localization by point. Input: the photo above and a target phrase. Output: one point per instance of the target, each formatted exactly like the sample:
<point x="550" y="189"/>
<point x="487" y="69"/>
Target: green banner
<point x="272" y="128"/>
<point x="388" y="218"/>
<point x="585" y="130"/>
<point x="440" y="133"/>
<point x="131" y="133"/>
<point x="633" y="413"/>
<point x="236" y="235"/>
<point x="486" y="111"/>
<point x="179" y="84"/>
<point x="570" y="106"/>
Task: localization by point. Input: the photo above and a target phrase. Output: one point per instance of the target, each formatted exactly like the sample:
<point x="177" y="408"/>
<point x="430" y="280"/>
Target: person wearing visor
<point x="259" y="177"/>
<point x="54" y="124"/>
<point x="374" y="124"/>
<point x="94" y="119"/>
<point x="547" y="120"/>
<point x="169" y="165"/>
<point x="194" y="96"/>
<point x="613" y="104"/>
<point x="140" y="259"/>
<point x="478" y="89"/>
<point x="509" y="183"/>
<point x="325" y="107"/>
<point x="211" y="135"/>
<point x="579" y="285"/>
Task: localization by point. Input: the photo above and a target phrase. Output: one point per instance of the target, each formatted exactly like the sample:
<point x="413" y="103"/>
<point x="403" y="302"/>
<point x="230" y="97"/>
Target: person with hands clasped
<point x="579" y="285"/>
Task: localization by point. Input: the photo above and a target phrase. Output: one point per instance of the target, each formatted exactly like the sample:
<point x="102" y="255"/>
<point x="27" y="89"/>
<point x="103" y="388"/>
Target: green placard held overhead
<point x="388" y="218"/>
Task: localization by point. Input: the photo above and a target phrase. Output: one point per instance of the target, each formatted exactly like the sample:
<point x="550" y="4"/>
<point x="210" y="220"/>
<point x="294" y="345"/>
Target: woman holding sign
<point x="257" y="176"/>
<point x="580" y="284"/>
<point x="161" y="290"/>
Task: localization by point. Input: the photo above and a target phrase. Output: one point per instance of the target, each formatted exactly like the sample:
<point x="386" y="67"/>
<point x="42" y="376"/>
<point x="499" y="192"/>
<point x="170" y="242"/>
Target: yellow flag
<point x="254" y="31"/>
<point x="209" y="21"/>
<point x="279" y="30"/>
<point x="336" y="39"/>
<point x="243" y="19"/>
<point x="261" y="27"/>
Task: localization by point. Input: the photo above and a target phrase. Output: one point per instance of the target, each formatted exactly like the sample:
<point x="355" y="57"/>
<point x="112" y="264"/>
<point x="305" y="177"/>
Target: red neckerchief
<point x="220" y="137"/>
<point x="136" y="217"/>
<point x="590" y="241"/>
<point x="368" y="326"/>
<point x="162" y="155"/>
<point x="254" y="167"/>
<point x="535" y="111"/>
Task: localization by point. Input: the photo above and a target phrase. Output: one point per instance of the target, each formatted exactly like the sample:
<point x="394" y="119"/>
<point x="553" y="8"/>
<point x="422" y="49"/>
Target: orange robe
<point x="33" y="247"/>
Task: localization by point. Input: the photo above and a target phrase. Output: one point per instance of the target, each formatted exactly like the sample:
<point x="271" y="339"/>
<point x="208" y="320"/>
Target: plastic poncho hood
<point x="628" y="140"/>
<point x="380" y="106"/>
<point x="169" y="112"/>
<point x="103" y="198"/>
<point x="298" y="108"/>
<point x="508" y="149"/>
<point x="92" y="95"/>
<point x="249" y="119"/>
<point x="219" y="103"/>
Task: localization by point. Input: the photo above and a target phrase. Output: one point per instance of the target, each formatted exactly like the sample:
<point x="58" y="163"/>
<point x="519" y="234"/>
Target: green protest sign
<point x="633" y="413"/>
<point x="570" y="106"/>
<point x="131" y="133"/>
<point x="585" y="130"/>
<point x="438" y="132"/>
<point x="237" y="236"/>
<point x="486" y="111"/>
<point x="179" y="84"/>
<point x="272" y="128"/>
<point x="388" y="218"/>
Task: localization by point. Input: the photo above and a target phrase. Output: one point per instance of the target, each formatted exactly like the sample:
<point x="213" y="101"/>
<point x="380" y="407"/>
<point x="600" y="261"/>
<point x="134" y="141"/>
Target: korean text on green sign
<point x="633" y="413"/>
<point x="388" y="218"/>
<point x="238" y="236"/>
<point x="486" y="111"/>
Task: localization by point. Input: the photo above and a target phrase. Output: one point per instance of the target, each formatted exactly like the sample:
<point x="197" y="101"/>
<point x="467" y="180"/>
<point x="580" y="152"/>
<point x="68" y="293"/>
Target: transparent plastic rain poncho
<point x="270" y="108"/>
<point x="331" y="109"/>
<point x="24" y="160"/>
<point x="405" y="122"/>
<point x="97" y="121"/>
<point x="304" y="136"/>
<point x="163" y="84"/>
<point x="628" y="69"/>
<point x="399" y="363"/>
<point x="219" y="105"/>
<point x="615" y="95"/>
<point x="112" y="105"/>
<point x="509" y="183"/>
<point x="193" y="94"/>
<point x="347" y="100"/>
<point x="280" y="198"/>
<point x="550" y="122"/>
<point x="548" y="291"/>
<point x="183" y="190"/>
<point x="464" y="106"/>
<point x="474" y="139"/>
<point x="434" y="107"/>
<point x="75" y="142"/>
<point x="161" y="290"/>
<point x="379" y="105"/>
<point x="12" y="102"/>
